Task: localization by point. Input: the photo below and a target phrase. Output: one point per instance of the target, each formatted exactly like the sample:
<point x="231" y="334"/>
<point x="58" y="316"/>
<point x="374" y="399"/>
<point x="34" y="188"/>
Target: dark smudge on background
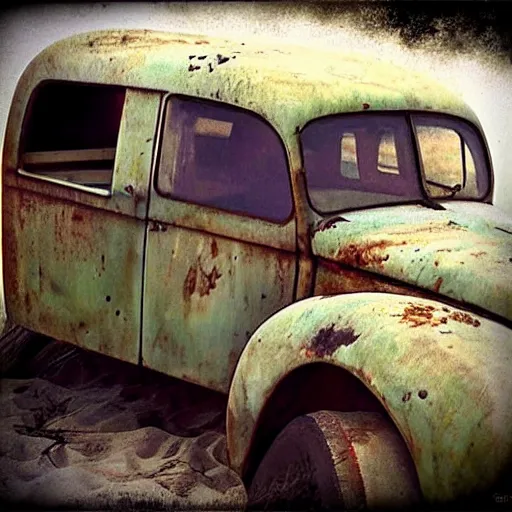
<point x="462" y="26"/>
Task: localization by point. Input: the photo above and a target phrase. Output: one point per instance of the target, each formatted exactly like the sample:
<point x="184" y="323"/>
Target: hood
<point x="463" y="252"/>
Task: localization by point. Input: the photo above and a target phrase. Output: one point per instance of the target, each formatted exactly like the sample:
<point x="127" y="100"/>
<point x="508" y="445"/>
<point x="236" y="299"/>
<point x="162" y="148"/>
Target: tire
<point x="340" y="461"/>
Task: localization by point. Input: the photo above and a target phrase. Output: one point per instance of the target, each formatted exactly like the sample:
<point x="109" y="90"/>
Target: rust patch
<point x="417" y="314"/>
<point x="406" y="397"/>
<point x="207" y="281"/>
<point x="465" y="318"/>
<point x="438" y="284"/>
<point x="189" y="286"/>
<point x="328" y="340"/>
<point x="366" y="254"/>
<point x="331" y="278"/>
<point x="78" y="217"/>
<point x="477" y="254"/>
<point x="214" y="248"/>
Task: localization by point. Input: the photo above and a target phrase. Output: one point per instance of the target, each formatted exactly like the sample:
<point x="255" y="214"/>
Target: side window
<point x="387" y="161"/>
<point x="218" y="156"/>
<point x="349" y="167"/>
<point x="70" y="133"/>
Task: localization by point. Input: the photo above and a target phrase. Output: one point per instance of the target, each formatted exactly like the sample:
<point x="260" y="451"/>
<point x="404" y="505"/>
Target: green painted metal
<point x="205" y="298"/>
<point x="287" y="85"/>
<point x="73" y="261"/>
<point x="461" y="255"/>
<point x="441" y="373"/>
<point x="73" y="273"/>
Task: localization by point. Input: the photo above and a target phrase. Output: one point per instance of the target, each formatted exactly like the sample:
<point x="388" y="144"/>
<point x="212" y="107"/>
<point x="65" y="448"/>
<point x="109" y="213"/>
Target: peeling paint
<point x="451" y="403"/>
<point x="419" y="314"/>
<point x="364" y="255"/>
<point x="329" y="339"/>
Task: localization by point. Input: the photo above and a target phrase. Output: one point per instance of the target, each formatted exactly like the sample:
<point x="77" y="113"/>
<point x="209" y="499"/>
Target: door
<point x="221" y="255"/>
<point x="74" y="214"/>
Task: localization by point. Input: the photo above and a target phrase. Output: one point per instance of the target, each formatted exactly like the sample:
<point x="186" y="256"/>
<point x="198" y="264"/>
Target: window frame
<point x="475" y="131"/>
<point x="414" y="156"/>
<point x="485" y="197"/>
<point x="230" y="107"/>
<point x="21" y="171"/>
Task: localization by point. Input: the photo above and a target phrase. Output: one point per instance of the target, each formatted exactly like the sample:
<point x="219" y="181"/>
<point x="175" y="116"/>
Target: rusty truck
<point x="308" y="231"/>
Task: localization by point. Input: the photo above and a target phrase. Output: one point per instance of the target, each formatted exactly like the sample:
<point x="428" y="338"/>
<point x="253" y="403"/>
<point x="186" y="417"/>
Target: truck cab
<point x="302" y="230"/>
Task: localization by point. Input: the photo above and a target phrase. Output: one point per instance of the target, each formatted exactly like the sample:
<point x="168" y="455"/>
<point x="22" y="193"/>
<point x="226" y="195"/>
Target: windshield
<point x="361" y="160"/>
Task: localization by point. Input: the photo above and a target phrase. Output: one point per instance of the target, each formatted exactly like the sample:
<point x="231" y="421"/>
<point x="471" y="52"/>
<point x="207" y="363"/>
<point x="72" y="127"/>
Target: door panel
<point x="204" y="297"/>
<point x="221" y="249"/>
<point x="73" y="260"/>
<point x="74" y="273"/>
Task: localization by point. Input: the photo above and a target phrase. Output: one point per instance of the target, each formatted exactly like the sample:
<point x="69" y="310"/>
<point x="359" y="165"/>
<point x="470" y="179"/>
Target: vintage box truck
<point x="308" y="231"/>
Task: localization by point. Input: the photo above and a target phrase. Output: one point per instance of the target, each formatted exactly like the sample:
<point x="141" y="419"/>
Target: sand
<point x="79" y="430"/>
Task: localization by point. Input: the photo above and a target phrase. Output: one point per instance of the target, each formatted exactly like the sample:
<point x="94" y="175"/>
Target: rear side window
<point x="218" y="156"/>
<point x="70" y="133"/>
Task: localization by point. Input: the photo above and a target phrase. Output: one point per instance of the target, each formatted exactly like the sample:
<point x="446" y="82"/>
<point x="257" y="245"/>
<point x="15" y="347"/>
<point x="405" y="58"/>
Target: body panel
<point x="205" y="295"/>
<point x="461" y="256"/>
<point x="73" y="261"/>
<point x="73" y="272"/>
<point x="451" y="399"/>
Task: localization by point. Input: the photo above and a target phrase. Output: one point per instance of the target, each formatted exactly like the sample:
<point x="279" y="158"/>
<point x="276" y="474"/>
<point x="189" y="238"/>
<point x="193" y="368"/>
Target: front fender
<point x="443" y="375"/>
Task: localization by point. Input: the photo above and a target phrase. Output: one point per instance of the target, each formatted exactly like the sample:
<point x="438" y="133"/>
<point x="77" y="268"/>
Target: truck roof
<point x="288" y="85"/>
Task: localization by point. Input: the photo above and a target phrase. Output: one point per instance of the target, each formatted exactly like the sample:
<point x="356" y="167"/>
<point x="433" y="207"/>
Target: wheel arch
<point x="438" y="372"/>
<point x="308" y="388"/>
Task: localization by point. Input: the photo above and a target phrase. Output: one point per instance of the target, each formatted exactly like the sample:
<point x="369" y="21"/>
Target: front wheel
<point x="341" y="461"/>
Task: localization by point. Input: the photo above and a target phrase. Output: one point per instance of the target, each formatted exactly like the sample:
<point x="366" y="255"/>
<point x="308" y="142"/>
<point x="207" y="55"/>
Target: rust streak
<point x="207" y="281"/>
<point x="189" y="285"/>
<point x="438" y="284"/>
<point x="214" y="248"/>
<point x="328" y="340"/>
<point x="366" y="254"/>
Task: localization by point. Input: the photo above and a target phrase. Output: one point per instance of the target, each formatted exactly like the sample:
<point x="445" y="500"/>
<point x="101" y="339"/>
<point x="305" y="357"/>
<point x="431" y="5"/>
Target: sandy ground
<point x="79" y="430"/>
